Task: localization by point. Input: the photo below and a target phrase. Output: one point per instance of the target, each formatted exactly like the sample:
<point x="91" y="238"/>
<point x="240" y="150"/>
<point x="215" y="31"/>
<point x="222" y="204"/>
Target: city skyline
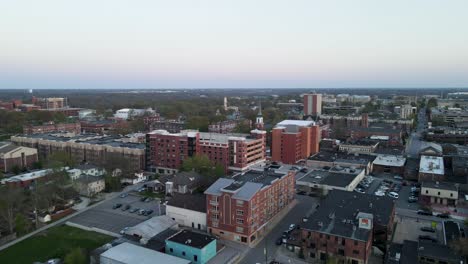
<point x="233" y="44"/>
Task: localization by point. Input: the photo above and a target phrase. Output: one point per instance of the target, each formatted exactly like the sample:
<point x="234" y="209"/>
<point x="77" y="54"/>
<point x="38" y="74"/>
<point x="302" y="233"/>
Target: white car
<point x="122" y="232"/>
<point x="393" y="195"/>
<point x="379" y="193"/>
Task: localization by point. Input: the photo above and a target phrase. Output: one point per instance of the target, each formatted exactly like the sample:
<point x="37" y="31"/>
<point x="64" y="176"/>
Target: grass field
<point x="56" y="242"/>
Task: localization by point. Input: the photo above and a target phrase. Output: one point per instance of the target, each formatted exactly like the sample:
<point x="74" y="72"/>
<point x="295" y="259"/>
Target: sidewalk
<point x="461" y="213"/>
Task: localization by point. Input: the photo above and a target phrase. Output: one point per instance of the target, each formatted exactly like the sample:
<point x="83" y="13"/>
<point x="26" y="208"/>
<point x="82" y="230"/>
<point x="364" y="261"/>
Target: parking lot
<point x="114" y="220"/>
<point x="410" y="229"/>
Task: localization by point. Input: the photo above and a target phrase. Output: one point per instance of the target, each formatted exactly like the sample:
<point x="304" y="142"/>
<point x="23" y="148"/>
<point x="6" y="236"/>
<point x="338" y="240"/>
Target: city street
<point x="305" y="206"/>
<point x="414" y="141"/>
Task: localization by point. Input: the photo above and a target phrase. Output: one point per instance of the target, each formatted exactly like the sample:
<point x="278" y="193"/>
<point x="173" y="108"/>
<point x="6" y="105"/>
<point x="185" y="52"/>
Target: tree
<point x="16" y="170"/>
<point x="242" y="127"/>
<point x="60" y="159"/>
<point x="203" y="165"/>
<point x="75" y="256"/>
<point x="460" y="246"/>
<point x="432" y="103"/>
<point x="11" y="200"/>
<point x="22" y="225"/>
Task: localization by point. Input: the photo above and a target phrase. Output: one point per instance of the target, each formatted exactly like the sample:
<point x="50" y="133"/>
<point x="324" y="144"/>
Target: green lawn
<point x="56" y="242"/>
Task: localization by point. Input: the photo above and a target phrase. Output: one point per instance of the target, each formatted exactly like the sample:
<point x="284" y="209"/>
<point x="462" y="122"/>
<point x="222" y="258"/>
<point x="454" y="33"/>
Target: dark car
<point x="116" y="206"/>
<point x="426" y="237"/>
<point x="424" y="212"/>
<point x="148" y="212"/>
<point x="427" y="229"/>
<point x="279" y="241"/>
<point x="445" y="215"/>
<point x="142" y="199"/>
<point x="126" y="207"/>
<point x="412" y="199"/>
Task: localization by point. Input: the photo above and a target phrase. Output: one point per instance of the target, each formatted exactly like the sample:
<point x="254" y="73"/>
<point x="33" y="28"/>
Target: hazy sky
<point x="239" y="43"/>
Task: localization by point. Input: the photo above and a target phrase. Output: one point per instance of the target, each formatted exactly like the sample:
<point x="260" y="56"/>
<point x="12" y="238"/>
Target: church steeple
<point x="259" y="121"/>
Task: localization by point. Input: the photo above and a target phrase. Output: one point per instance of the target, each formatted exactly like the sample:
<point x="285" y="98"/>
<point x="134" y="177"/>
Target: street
<point x="414" y="141"/>
<point x="305" y="206"/>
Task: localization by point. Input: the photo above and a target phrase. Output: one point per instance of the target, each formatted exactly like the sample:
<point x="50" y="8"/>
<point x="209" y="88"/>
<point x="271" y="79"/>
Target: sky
<point x="233" y="44"/>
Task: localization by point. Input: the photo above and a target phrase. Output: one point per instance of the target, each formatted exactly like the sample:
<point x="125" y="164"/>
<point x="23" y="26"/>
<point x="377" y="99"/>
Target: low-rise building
<point x="195" y="247"/>
<point x="183" y="182"/>
<point x="127" y="253"/>
<point x="389" y="164"/>
<point x="89" y="185"/>
<point x="25" y="180"/>
<point x="12" y="156"/>
<point x="361" y="146"/>
<point x="188" y="210"/>
<point x="238" y="208"/>
<point x="52" y="127"/>
<point x="410" y="252"/>
<point x="431" y="168"/>
<point x="445" y="193"/>
<point x="321" y="181"/>
<point x="333" y="158"/>
<point x="136" y="177"/>
<point x="345" y="225"/>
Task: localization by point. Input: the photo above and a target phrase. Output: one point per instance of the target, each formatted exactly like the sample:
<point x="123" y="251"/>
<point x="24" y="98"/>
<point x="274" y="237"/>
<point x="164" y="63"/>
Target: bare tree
<point x="11" y="200"/>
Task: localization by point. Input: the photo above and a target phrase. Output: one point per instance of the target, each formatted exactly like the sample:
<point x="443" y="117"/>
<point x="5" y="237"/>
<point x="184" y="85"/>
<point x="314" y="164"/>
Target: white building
<point x="85" y="170"/>
<point x="127" y="113"/>
<point x="137" y="177"/>
<point x="188" y="210"/>
<point x="85" y="113"/>
<point x="89" y="185"/>
<point x="431" y="168"/>
<point x="127" y="253"/>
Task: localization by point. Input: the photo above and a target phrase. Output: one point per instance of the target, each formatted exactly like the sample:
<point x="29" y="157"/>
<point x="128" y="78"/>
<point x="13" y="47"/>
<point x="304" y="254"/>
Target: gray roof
<point x="338" y="211"/>
<point x="440" y="185"/>
<point x="194" y="202"/>
<point x="127" y="253"/>
<point x="330" y="178"/>
<point x="247" y="191"/>
<point x="192" y="239"/>
<point x="216" y="187"/>
<point x="6" y="147"/>
<point x="439" y="252"/>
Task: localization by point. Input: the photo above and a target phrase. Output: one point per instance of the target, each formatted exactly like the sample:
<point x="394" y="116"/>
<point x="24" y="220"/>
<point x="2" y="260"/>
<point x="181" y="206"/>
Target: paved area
<point x="305" y="205"/>
<point x="113" y="220"/>
<point x="414" y="141"/>
<point x="410" y="229"/>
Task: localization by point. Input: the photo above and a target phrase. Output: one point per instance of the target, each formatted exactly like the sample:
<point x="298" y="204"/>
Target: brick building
<point x="228" y="126"/>
<point x="15" y="156"/>
<point x="167" y="151"/>
<point x="87" y="148"/>
<point x="50" y="102"/>
<point x="170" y="125"/>
<point x="312" y="104"/>
<point x="52" y="127"/>
<point x="238" y="208"/>
<point x="389" y="164"/>
<point x="102" y="126"/>
<point x="431" y="168"/>
<point x="294" y="140"/>
<point x="345" y="226"/>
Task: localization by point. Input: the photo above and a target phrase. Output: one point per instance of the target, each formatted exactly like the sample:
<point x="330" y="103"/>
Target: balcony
<point x="214" y="202"/>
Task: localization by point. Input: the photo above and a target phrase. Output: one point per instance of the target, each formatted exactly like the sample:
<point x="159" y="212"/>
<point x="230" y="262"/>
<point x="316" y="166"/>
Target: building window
<point x="240" y="212"/>
<point x="320" y="235"/>
<point x="328" y="237"/>
<point x="183" y="253"/>
<point x="451" y="194"/>
<point x="195" y="258"/>
<point x="239" y="221"/>
<point x="427" y="191"/>
<point x="312" y="254"/>
<point x="239" y="229"/>
<point x="239" y="202"/>
<point x="356" y="252"/>
<point x="341" y="252"/>
<point x="171" y="250"/>
<point x="355" y="243"/>
<point x="438" y="193"/>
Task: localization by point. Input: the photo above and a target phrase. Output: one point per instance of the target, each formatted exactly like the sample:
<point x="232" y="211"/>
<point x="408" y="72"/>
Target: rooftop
<point x="303" y="123"/>
<point x="331" y="178"/>
<point x="431" y="164"/>
<point x="192" y="202"/>
<point x="332" y="156"/>
<point x="6" y="147"/>
<point x="438" y="251"/>
<point x="245" y="185"/>
<point x="390" y="160"/>
<point x="192" y="239"/>
<point x="440" y="185"/>
<point x="338" y="212"/>
<point x="127" y="253"/>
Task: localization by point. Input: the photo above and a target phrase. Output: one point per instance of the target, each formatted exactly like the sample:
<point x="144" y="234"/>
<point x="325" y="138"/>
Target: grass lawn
<point x="55" y="242"/>
<point x="152" y="194"/>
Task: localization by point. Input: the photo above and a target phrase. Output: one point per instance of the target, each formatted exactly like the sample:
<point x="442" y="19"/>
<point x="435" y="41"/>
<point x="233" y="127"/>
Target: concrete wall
<point x="188" y="218"/>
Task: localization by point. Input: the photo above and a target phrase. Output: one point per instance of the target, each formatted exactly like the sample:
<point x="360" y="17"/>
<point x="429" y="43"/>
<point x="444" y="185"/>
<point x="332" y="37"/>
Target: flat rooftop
<point x="192" y="239"/>
<point x="440" y="185"/>
<point x="431" y="164"/>
<point x="303" y="123"/>
<point x="245" y="185"/>
<point x="390" y="160"/>
<point x="127" y="253"/>
<point x="330" y="178"/>
<point x="333" y="156"/>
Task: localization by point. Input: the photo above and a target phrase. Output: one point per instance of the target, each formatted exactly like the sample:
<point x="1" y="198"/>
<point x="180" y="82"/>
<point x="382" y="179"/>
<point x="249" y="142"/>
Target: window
<point x="328" y="237"/>
<point x="195" y="258"/>
<point x="239" y="220"/>
<point x="320" y="235"/>
<point x="239" y="202"/>
<point x="240" y="212"/>
<point x="336" y="239"/>
<point x="183" y="253"/>
<point x="341" y="252"/>
<point x="239" y="229"/>
<point x="427" y="191"/>
<point x="312" y="245"/>
<point x="451" y="195"/>
<point x="355" y="243"/>
<point x="356" y="252"/>
<point x="312" y="254"/>
<point x="438" y="193"/>
<point x="171" y="250"/>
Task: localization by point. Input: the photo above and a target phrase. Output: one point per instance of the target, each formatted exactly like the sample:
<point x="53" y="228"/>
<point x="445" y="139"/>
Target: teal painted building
<point x="196" y="247"/>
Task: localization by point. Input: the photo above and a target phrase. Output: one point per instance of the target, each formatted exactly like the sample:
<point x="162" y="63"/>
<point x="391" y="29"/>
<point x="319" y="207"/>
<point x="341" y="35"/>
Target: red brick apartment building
<point x="312" y="104"/>
<point x="344" y="227"/>
<point x="167" y="151"/>
<point x="294" y="140"/>
<point x="11" y="156"/>
<point x="52" y="127"/>
<point x="238" y="208"/>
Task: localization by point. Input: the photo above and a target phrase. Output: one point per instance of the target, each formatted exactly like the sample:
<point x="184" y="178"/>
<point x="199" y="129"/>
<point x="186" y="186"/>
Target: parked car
<point x="117" y="206"/>
<point x="148" y="212"/>
<point x="426" y="237"/>
<point x="444" y="215"/>
<point x="292" y="226"/>
<point x="393" y="195"/>
<point x="142" y="199"/>
<point x="126" y="207"/>
<point x="134" y="210"/>
<point x="124" y="230"/>
<point x="123" y="195"/>
<point x="412" y="199"/>
<point x="397" y="177"/>
<point x="279" y="241"/>
<point x="149" y="199"/>
<point x="427" y="229"/>
<point x="379" y="193"/>
<point x="359" y="190"/>
<point x="424" y="212"/>
<point x="141" y="211"/>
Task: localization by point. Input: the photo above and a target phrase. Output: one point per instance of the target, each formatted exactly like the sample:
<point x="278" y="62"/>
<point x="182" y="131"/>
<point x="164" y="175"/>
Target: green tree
<point x="16" y="170"/>
<point x="75" y="256"/>
<point x="11" y="201"/>
<point x="22" y="225"/>
<point x="60" y="159"/>
<point x="432" y="103"/>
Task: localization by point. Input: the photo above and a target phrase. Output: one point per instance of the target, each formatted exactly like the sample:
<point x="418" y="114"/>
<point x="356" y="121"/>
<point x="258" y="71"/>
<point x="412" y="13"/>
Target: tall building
<point x="294" y="140"/>
<point x="167" y="151"/>
<point x="312" y="104"/>
<point x="239" y="208"/>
